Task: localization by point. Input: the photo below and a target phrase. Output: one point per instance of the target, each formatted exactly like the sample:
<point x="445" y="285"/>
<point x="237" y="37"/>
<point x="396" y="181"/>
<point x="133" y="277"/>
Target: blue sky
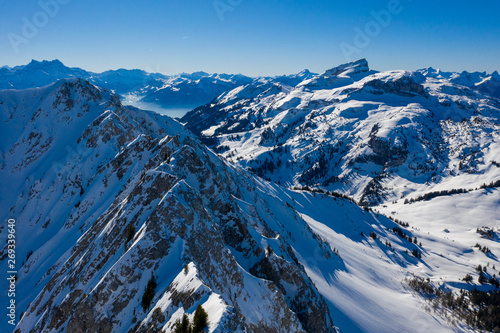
<point x="253" y="37"/>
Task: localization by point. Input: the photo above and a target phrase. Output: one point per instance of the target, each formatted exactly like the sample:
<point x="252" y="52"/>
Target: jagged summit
<point x="45" y="63"/>
<point x="304" y="72"/>
<point x="290" y="80"/>
<point x="55" y="68"/>
<point x="435" y="73"/>
<point x="355" y="67"/>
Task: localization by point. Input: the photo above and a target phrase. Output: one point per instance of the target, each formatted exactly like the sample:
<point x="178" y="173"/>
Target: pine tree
<point x="186" y="326"/>
<point x="149" y="293"/>
<point x="183" y="326"/>
<point x="200" y="320"/>
<point x="467" y="278"/>
<point x="130" y="233"/>
<point x="482" y="278"/>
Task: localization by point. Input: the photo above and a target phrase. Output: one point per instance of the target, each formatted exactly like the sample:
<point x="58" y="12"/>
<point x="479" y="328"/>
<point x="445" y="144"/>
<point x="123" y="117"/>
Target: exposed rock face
<point x="117" y="195"/>
<point x="292" y="282"/>
<point x="405" y="86"/>
<point x="356" y="67"/>
<point x="385" y="153"/>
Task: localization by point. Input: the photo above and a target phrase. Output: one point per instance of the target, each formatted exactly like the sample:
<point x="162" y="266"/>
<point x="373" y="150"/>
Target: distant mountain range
<point x="185" y="90"/>
<point x="189" y="90"/>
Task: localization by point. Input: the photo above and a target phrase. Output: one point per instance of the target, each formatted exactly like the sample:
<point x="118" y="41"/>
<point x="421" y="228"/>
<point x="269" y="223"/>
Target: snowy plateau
<point x="348" y="201"/>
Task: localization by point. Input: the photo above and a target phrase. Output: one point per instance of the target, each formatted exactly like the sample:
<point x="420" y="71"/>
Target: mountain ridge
<point x="128" y="172"/>
<point x="319" y="129"/>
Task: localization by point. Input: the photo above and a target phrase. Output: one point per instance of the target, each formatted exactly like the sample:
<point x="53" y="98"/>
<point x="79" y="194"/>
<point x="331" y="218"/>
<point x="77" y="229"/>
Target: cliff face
<point x="108" y="196"/>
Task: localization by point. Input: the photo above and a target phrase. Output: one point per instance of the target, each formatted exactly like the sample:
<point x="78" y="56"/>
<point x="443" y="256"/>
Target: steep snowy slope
<point x="374" y="136"/>
<point x="105" y="197"/>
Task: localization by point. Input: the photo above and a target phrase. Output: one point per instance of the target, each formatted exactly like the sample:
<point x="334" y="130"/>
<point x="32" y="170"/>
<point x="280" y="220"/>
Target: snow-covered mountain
<point x="377" y="137"/>
<point x="42" y="73"/>
<point x="125" y="221"/>
<point x="481" y="81"/>
<point x="107" y="196"/>
<point x="291" y="80"/>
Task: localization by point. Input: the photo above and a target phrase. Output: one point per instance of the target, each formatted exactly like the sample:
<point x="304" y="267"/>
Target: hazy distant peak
<point x="46" y="62"/>
<point x="194" y="75"/>
<point x="304" y="72"/>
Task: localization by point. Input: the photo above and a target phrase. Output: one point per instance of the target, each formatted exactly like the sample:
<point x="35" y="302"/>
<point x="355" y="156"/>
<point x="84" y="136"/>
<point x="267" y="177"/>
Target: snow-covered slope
<point x="106" y="196"/>
<point x="377" y="137"/>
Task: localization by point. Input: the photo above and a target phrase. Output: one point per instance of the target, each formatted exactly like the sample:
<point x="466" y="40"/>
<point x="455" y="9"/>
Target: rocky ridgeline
<point x="109" y="197"/>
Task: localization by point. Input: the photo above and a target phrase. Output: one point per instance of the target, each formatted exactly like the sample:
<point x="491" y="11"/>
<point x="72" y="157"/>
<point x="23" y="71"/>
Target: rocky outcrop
<point x="404" y="86"/>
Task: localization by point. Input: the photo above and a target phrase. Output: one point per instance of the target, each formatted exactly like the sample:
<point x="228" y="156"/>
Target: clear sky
<point x="253" y="37"/>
